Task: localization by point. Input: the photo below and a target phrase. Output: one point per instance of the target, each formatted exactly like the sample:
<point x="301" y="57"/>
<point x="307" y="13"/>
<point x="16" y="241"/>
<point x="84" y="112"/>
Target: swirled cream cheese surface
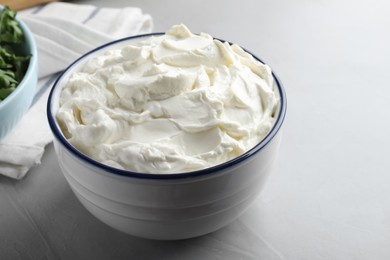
<point x="172" y="103"/>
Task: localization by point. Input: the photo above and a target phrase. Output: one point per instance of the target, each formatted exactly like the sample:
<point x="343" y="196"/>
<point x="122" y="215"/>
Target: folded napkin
<point x="63" y="32"/>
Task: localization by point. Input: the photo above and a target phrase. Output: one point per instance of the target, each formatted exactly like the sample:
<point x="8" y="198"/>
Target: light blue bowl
<point x="13" y="107"/>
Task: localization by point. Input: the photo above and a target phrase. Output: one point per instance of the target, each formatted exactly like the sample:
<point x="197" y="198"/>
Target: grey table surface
<point x="329" y="197"/>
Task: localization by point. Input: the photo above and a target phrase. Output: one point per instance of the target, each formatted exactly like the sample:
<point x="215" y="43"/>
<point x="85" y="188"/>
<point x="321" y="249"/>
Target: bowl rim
<point x="57" y="133"/>
<point x="33" y="62"/>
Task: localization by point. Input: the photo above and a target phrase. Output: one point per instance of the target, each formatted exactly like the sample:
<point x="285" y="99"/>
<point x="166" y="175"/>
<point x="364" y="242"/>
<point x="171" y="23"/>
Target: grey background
<point x="329" y="196"/>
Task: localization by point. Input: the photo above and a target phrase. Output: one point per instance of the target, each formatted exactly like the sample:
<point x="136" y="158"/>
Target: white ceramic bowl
<point x="164" y="206"/>
<point x="13" y="107"/>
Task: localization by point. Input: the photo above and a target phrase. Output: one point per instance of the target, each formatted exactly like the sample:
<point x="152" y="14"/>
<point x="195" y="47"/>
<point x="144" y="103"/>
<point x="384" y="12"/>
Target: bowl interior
<point x="53" y="105"/>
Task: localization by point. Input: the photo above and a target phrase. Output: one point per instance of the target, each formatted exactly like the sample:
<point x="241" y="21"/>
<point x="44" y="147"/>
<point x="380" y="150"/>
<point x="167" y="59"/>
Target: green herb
<point x="12" y="65"/>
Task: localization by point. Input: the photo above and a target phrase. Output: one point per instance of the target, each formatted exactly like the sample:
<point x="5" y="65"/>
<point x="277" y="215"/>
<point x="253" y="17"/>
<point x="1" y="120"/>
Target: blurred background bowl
<point x="13" y="107"/>
<point x="164" y="206"/>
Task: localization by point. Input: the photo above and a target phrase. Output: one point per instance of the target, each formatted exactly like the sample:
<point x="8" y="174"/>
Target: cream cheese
<point x="172" y="103"/>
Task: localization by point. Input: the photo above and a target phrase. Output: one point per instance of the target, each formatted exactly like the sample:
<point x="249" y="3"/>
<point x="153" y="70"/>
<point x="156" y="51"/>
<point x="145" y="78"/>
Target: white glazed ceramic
<point x="164" y="206"/>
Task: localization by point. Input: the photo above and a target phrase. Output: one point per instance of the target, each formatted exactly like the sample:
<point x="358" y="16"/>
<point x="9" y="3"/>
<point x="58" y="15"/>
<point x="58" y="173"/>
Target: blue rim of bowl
<point x="31" y="64"/>
<point x="207" y="171"/>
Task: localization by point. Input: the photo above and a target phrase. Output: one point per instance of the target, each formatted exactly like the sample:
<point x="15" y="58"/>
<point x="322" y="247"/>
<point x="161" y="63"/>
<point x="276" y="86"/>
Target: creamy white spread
<point x="167" y="104"/>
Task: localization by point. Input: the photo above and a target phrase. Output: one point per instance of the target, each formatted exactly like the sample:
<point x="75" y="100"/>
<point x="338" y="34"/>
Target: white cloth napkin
<point x="63" y="32"/>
